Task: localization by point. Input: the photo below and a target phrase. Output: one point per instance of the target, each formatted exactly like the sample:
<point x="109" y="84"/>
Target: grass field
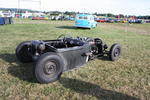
<point x="126" y="79"/>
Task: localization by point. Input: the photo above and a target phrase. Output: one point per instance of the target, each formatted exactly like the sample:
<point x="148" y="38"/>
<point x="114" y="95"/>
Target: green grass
<point x="127" y="78"/>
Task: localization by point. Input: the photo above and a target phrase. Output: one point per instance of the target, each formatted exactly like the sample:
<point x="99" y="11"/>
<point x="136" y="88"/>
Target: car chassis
<point x="53" y="57"/>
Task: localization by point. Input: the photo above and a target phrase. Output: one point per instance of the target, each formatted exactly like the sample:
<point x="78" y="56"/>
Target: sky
<point x="126" y="7"/>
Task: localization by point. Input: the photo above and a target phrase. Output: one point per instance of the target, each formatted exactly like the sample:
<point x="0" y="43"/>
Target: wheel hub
<point x="50" y="68"/>
<point x="116" y="52"/>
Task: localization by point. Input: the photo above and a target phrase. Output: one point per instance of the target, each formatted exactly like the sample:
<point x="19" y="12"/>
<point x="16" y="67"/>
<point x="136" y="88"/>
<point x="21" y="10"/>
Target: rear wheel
<point x="22" y="52"/>
<point x="115" y="52"/>
<point x="48" y="68"/>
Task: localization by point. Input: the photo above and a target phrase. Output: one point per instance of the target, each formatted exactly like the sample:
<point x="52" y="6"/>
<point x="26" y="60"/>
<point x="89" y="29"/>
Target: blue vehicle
<point x="85" y="21"/>
<point x="138" y="21"/>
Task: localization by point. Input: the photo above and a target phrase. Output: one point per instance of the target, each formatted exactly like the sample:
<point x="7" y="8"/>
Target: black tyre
<point x="115" y="52"/>
<point x="22" y="52"/>
<point x="48" y="68"/>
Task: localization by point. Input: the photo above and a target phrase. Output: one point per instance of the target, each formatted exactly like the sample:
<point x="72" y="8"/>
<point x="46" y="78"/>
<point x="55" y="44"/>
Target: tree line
<point x="70" y="13"/>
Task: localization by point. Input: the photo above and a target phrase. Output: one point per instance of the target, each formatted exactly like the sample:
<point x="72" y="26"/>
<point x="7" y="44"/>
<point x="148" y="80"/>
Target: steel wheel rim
<point x="50" y="68"/>
<point x="116" y="52"/>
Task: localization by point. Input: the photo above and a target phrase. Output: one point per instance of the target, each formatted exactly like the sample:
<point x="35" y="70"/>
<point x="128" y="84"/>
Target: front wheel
<point x="115" y="52"/>
<point x="22" y="52"/>
<point x="48" y="68"/>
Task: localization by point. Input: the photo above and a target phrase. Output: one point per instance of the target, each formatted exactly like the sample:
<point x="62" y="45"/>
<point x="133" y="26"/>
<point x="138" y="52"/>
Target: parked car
<point x="135" y="21"/>
<point x="72" y="18"/>
<point x="109" y="20"/>
<point x="53" y="57"/>
<point x="40" y="18"/>
<point x="101" y="20"/>
<point x="35" y="18"/>
<point x="85" y="21"/>
<point x="115" y="20"/>
<point x="147" y="21"/>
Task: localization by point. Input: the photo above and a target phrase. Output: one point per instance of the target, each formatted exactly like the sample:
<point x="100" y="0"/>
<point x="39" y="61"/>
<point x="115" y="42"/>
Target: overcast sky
<point x="127" y="7"/>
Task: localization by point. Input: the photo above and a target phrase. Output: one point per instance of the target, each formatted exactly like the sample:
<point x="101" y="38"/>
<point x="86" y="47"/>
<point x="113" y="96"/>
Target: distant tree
<point x="109" y="15"/>
<point x="55" y="13"/>
<point x="95" y="13"/>
<point x="69" y="13"/>
<point x="121" y="15"/>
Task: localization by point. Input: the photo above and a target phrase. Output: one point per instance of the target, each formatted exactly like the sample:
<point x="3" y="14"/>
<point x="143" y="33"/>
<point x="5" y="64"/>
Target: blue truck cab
<point x="85" y="21"/>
